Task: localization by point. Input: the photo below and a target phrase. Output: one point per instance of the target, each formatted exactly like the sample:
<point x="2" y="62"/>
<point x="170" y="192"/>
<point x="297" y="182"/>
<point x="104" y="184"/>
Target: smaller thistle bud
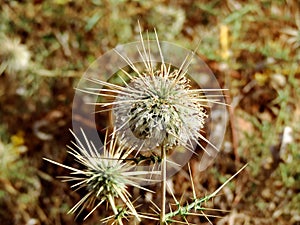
<point x="105" y="176"/>
<point x="14" y="56"/>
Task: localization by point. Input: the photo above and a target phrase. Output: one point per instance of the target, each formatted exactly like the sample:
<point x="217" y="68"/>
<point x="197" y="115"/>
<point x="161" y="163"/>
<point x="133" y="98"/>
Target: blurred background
<point x="253" y="48"/>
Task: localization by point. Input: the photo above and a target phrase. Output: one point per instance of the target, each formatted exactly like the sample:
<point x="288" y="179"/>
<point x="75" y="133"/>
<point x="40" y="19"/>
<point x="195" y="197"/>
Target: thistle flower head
<point x="157" y="105"/>
<point x="13" y="55"/>
<point x="105" y="176"/>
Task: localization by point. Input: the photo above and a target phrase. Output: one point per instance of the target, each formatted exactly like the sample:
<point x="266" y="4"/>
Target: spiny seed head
<point x="105" y="176"/>
<point x="160" y="108"/>
<point x="157" y="106"/>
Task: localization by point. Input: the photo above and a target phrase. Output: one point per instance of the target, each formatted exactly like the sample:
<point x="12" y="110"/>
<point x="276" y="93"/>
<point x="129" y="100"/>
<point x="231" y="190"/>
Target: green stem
<point x="184" y="210"/>
<point x="196" y="204"/>
<point x="163" y="184"/>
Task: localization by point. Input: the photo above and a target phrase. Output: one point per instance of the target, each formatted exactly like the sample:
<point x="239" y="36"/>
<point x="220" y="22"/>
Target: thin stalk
<point x="163" y="184"/>
<point x="114" y="208"/>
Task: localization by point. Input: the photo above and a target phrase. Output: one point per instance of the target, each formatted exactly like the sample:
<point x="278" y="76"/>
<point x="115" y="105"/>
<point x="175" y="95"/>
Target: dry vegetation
<point x="252" y="48"/>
